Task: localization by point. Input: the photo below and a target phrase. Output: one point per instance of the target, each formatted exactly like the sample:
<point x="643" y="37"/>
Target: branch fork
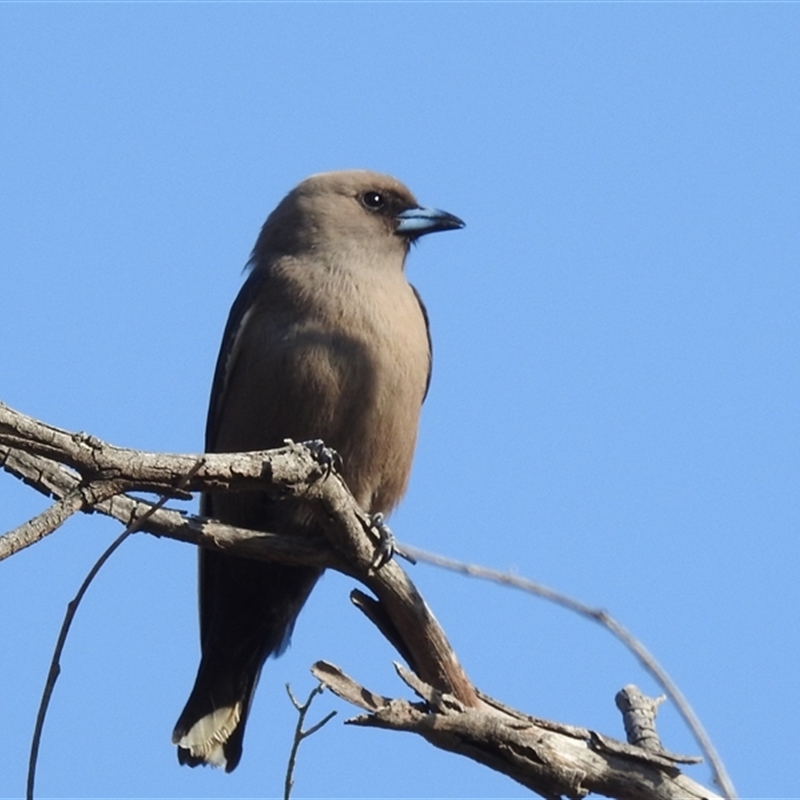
<point x="83" y="473"/>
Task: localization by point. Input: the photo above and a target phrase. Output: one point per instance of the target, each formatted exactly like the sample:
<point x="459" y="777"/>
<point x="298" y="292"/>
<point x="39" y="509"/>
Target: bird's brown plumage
<point x="327" y="340"/>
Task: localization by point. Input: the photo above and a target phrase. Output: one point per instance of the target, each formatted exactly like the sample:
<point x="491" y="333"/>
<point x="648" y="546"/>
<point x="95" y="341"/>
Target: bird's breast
<point x="350" y="368"/>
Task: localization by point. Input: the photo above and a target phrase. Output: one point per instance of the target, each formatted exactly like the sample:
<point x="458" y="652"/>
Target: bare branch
<point x="639" y="716"/>
<point x="300" y="734"/>
<point x="647" y="660"/>
<point x="453" y="714"/>
<point x="284" y="471"/>
<point x="292" y="470"/>
<point x="554" y="763"/>
<point x="41" y="525"/>
<point x="53" y="480"/>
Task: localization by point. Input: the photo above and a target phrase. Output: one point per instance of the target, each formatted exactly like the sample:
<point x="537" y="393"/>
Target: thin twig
<point x="84" y="496"/>
<point x="41" y="525"/>
<point x="300" y="734"/>
<point x="646" y="659"/>
<point x="72" y="607"/>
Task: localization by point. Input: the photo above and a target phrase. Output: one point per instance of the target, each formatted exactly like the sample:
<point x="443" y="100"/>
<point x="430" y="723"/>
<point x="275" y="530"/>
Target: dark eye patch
<point x="374" y="200"/>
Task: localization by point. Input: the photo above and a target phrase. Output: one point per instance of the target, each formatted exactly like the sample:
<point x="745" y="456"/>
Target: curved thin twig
<point x="646" y="659"/>
<point x="55" y="666"/>
<point x="72" y="607"/>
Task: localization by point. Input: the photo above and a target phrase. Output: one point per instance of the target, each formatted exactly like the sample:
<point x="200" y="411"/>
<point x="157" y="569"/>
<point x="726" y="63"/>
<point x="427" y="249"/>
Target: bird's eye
<point x="373" y="200"/>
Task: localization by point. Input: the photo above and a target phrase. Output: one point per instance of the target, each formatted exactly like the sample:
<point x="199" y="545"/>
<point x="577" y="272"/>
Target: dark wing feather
<point x="243" y="303"/>
<point x="430" y="342"/>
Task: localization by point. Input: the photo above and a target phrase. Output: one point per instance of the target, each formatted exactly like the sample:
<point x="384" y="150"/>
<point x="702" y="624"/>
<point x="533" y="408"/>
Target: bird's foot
<point x="327" y="457"/>
<point x="386" y="541"/>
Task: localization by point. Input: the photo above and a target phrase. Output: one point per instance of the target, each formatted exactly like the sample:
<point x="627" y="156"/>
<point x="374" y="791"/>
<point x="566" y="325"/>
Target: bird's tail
<point x="248" y="611"/>
<point x="211" y="727"/>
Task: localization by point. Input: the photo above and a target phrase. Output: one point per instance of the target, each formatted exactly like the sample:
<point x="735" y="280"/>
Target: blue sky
<point x="614" y="406"/>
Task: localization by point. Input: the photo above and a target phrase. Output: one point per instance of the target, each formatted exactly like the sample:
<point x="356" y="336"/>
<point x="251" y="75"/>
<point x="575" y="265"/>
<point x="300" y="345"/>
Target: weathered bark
<point x="85" y="474"/>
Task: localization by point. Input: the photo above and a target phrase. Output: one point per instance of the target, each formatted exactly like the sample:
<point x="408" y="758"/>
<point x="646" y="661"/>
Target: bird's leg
<point x="388" y="547"/>
<point x="386" y="541"/>
<point x="328" y="458"/>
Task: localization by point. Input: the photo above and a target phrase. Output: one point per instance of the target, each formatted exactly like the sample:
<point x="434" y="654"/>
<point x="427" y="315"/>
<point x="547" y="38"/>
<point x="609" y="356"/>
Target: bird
<point x="326" y="340"/>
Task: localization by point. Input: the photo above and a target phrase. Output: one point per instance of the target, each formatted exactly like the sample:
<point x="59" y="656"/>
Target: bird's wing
<point x="228" y="351"/>
<point x="430" y="342"/>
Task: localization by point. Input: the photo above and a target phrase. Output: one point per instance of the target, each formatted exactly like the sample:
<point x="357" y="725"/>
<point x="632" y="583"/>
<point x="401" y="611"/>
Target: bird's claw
<point x="385" y="550"/>
<point x="328" y="458"/>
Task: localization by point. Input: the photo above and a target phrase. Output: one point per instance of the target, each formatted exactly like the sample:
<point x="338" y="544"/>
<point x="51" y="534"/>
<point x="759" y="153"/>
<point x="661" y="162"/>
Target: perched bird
<point x="326" y="340"/>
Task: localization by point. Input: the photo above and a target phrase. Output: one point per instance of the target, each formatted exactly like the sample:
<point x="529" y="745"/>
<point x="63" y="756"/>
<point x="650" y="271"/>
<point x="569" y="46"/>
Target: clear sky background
<point x="614" y="406"/>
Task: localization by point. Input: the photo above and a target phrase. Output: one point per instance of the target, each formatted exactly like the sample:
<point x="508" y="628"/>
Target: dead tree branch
<point x="551" y="759"/>
<point x="598" y="615"/>
<point x="83" y="473"/>
<point x="85" y="462"/>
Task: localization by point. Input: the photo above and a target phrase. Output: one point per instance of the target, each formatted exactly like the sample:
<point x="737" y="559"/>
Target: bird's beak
<point x="418" y="221"/>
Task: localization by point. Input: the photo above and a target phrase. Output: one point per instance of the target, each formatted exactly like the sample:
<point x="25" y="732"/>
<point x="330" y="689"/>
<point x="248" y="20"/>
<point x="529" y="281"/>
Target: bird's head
<point x="352" y="209"/>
